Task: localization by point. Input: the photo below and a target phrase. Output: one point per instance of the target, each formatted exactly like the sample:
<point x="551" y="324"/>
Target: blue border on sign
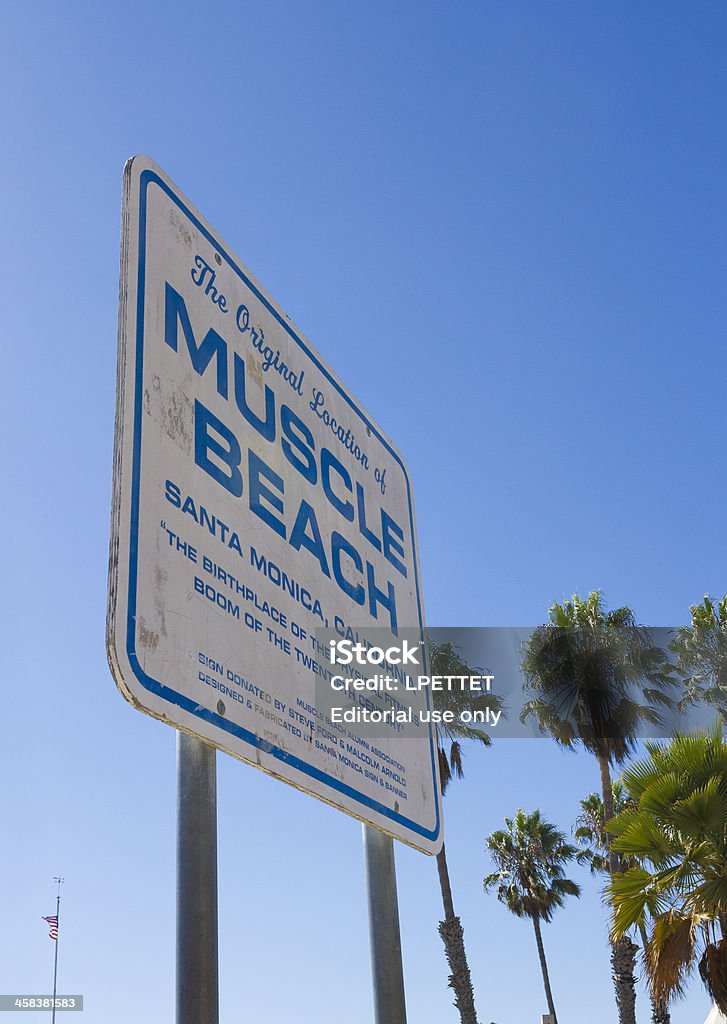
<point x="146" y="178"/>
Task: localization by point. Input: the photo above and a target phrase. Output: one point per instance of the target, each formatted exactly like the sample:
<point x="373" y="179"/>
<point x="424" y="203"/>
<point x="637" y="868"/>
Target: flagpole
<point x="55" y="959"/>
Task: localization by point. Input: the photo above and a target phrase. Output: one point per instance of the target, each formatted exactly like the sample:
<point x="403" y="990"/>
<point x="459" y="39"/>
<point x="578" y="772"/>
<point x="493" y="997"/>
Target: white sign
<point x="255" y="503"/>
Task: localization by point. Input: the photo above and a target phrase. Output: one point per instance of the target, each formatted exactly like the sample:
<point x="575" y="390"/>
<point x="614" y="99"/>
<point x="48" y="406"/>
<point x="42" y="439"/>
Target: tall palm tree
<point x="675" y="835"/>
<point x="445" y="659"/>
<point x="701" y="655"/>
<point x="597" y="677"/>
<point x="590" y="834"/>
<point x="529" y="855"/>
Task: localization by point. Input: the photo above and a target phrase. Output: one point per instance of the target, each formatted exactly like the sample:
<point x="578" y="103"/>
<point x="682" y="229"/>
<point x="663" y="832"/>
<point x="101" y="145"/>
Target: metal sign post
<point x="385" y="936"/>
<point x="197" y="984"/>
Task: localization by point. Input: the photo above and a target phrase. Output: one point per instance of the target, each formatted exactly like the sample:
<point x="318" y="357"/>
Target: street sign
<point x="255" y="505"/>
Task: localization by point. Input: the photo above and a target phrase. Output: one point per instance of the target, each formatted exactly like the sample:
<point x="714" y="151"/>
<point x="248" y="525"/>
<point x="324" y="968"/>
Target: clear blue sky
<point x="503" y="224"/>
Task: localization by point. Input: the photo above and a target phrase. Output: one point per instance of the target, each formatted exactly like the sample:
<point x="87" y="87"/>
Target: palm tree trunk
<point x="452" y="933"/>
<point x="660" y="1013"/>
<point x="623" y="951"/>
<point x="444" y="884"/>
<point x="544" y="969"/>
<point x="607" y="797"/>
<point x="623" y="962"/>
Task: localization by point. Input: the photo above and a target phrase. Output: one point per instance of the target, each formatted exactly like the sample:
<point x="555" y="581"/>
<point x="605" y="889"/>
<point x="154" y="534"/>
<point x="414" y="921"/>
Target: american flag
<point x="53" y="925"/>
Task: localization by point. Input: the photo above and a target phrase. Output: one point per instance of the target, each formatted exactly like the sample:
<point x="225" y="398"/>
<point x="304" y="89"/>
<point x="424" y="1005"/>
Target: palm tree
<point x="676" y="839"/>
<point x="530" y="854"/>
<point x="590" y="834"/>
<point x="701" y="655"/>
<point x="445" y="659"/>
<point x="598" y="677"/>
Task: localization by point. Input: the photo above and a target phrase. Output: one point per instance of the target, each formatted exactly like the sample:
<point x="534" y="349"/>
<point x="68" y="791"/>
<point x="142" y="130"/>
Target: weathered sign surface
<point x="255" y="502"/>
